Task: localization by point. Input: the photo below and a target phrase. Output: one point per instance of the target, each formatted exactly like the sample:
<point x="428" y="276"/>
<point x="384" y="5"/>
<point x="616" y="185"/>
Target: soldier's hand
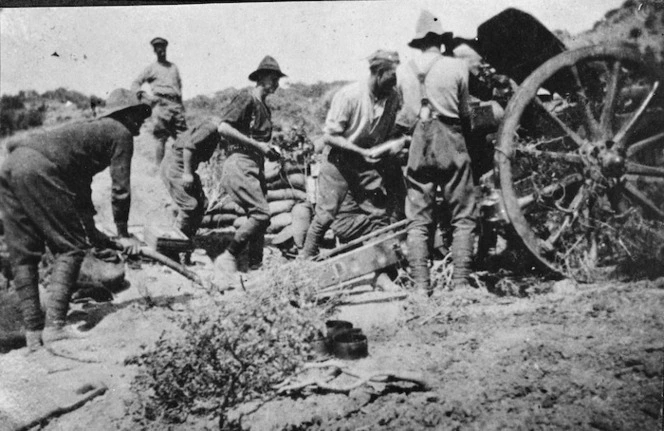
<point x="369" y="156"/>
<point x="395" y="150"/>
<point x="130" y="245"/>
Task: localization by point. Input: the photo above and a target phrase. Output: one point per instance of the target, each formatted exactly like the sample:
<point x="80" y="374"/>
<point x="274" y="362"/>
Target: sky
<point x="216" y="46"/>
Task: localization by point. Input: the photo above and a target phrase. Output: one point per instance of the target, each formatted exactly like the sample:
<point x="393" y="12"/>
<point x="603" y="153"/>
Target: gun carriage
<point x="574" y="168"/>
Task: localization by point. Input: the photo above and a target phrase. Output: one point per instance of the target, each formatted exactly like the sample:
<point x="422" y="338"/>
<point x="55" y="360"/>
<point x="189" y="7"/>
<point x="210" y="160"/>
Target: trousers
<point x="438" y="158"/>
<point x="191" y="201"/>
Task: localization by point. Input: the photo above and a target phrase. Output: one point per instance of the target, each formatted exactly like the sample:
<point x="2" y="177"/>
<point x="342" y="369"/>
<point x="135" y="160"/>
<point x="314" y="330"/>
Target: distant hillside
<point x="29" y="109"/>
<point x="640" y="22"/>
<point x="303" y="106"/>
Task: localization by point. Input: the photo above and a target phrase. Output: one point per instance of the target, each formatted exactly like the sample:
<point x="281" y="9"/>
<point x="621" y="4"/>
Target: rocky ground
<point x="552" y="355"/>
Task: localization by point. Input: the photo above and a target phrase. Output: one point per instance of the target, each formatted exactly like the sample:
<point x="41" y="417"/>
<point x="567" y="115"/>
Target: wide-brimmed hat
<point x="121" y="99"/>
<point x="268" y="64"/>
<point x="427" y="23"/>
<point x="158" y="41"/>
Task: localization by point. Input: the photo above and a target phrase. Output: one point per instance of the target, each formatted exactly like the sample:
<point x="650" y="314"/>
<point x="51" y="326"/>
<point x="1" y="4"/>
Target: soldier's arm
<point x="342" y="143"/>
<point x="120" y="169"/>
<point x="336" y="123"/>
<point x="231" y="133"/>
<point x="188" y="161"/>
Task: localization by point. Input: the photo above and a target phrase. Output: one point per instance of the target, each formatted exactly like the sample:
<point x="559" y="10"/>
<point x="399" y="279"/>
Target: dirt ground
<point x="565" y="356"/>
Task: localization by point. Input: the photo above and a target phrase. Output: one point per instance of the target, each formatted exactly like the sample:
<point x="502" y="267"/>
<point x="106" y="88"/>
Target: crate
<point x="166" y="239"/>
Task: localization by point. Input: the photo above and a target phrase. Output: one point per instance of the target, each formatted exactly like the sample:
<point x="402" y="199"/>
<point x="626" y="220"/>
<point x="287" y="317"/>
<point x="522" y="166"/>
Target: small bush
<point x="15" y="116"/>
<point x="233" y="353"/>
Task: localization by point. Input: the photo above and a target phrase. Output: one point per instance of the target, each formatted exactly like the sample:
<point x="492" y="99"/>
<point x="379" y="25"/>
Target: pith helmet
<point x="427" y="23"/>
<point x="268" y="64"/>
<point x="121" y="99"/>
<point x="158" y="41"/>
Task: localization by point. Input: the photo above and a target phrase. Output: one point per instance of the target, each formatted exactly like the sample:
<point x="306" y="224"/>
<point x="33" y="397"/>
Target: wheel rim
<point x="582" y="174"/>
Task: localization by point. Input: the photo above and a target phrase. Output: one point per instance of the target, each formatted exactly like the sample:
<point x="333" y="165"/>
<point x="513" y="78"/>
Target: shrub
<point x="233" y="352"/>
<point x="14" y="115"/>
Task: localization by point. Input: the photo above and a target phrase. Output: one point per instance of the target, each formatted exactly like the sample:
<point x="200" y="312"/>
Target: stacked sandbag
<point x="286" y="187"/>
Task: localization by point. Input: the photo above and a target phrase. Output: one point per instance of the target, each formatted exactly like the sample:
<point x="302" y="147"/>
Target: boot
<point x="462" y="250"/>
<point x="315" y="235"/>
<point x="26" y="283"/>
<point x="418" y="260"/>
<point x="33" y="341"/>
<point x="255" y="249"/>
<point x="63" y="279"/>
<point x="226" y="263"/>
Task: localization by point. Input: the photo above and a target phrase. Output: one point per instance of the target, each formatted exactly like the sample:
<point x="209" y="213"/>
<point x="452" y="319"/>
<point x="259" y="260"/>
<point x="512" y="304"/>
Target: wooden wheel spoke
<point x="634" y="193"/>
<point x="644" y="170"/>
<point x="552" y="155"/>
<point x="565" y="128"/>
<point x="569" y="218"/>
<point x="625" y="132"/>
<point x="653" y="142"/>
<point x="524" y="201"/>
<point x="592" y="126"/>
<point x="610" y="100"/>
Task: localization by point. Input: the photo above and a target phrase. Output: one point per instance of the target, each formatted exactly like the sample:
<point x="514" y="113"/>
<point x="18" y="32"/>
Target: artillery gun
<point x="573" y="168"/>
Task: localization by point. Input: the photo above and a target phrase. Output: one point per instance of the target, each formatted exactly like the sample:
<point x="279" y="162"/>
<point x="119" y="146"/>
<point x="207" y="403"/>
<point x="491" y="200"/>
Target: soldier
<point x="246" y="124"/>
<point x="45" y="191"/>
<point x="178" y="171"/>
<point x="164" y="79"/>
<point x="436" y="90"/>
<point x="361" y="116"/>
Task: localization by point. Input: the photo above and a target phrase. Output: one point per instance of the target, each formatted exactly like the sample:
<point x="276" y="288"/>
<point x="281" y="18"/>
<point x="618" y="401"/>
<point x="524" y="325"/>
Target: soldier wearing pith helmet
<point x="435" y="94"/>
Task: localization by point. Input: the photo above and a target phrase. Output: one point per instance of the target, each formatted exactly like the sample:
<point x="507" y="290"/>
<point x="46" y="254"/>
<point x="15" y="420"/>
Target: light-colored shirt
<point x="360" y="117"/>
<point x="164" y="78"/>
<point x="446" y="84"/>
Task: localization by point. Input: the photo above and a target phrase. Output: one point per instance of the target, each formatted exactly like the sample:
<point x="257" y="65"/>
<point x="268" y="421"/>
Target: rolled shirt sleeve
<point x="236" y="112"/>
<point x="339" y="115"/>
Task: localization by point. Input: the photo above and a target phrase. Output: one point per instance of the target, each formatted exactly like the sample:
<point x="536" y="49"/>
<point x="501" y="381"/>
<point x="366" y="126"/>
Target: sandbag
<point x="283" y="194"/>
<point x="218" y="220"/>
<point x="279" y="207"/>
<point x="295" y="181"/>
<point x="272" y="169"/>
<point x="239" y="222"/>
<point x="278" y="222"/>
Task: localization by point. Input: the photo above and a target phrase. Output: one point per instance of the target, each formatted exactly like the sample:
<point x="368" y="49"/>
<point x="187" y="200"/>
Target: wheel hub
<point x="603" y="157"/>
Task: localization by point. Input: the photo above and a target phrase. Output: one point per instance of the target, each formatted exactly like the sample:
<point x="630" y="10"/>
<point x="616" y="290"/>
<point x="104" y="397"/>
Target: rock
<point x="564" y="287"/>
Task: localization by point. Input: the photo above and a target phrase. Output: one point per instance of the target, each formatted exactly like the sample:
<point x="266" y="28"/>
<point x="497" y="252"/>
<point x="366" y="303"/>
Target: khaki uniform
<point x="201" y="140"/>
<point x="438" y="157"/>
<point x="366" y="121"/>
<point x="167" y="109"/>
<point x="243" y="177"/>
<point x="46" y="198"/>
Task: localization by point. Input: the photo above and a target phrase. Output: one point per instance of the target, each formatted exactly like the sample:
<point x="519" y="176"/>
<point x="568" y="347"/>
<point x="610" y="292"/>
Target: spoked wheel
<point x="580" y="158"/>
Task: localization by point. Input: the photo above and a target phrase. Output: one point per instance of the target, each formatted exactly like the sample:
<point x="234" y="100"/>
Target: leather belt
<point x="448" y="120"/>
